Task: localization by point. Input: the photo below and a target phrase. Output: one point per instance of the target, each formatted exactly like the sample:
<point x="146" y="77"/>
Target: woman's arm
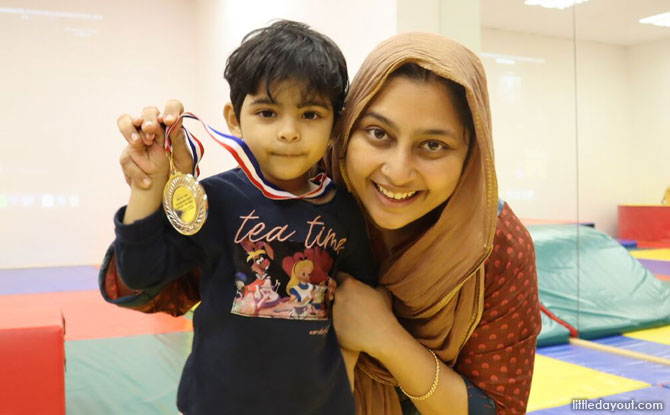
<point x="364" y="321"/>
<point x="413" y="366"/>
<point x="498" y="358"/>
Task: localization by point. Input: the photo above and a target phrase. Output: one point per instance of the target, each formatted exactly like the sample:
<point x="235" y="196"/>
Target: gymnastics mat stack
<point x="32" y="358"/>
<point x="648" y="225"/>
<point x="592" y="286"/>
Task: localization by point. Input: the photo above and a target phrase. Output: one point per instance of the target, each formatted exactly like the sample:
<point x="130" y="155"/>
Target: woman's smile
<point x="395" y="197"/>
<point x="406" y="152"/>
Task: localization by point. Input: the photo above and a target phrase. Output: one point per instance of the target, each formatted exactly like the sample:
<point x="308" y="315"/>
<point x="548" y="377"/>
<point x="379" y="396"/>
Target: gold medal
<point x="184" y="202"/>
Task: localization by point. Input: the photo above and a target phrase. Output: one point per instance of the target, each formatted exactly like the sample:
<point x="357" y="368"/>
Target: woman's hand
<point x="362" y="316"/>
<point x="143" y="160"/>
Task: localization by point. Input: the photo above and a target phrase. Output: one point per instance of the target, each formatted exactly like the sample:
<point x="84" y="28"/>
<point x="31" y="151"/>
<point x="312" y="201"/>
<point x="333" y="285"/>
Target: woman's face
<point x="406" y="151"/>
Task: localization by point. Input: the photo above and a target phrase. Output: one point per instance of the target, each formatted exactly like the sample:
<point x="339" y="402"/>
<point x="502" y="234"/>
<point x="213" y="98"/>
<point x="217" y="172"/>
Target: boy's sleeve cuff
<point x="140" y="230"/>
<point x="111" y="293"/>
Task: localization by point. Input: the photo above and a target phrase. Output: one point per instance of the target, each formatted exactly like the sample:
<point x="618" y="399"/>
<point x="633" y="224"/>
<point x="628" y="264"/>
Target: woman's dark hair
<point x="456" y="91"/>
<point x="287" y="50"/>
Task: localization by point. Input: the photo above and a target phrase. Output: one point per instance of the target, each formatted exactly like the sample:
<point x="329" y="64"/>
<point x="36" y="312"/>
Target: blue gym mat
<point x="48" y="280"/>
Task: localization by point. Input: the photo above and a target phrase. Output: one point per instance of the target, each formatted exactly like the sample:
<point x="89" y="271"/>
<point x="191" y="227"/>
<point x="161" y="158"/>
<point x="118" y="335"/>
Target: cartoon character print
<point x="307" y="289"/>
<point x="261" y="293"/>
<point x="310" y="289"/>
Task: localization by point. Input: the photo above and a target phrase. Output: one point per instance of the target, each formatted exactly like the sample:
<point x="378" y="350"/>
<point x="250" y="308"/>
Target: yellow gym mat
<point x="662" y="254"/>
<point x="557" y="383"/>
<point x="657" y="335"/>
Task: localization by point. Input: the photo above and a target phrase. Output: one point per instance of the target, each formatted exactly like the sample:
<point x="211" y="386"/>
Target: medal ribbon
<point x="247" y="162"/>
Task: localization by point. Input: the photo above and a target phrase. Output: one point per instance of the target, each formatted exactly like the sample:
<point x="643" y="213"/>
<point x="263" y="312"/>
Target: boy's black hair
<point x="282" y="51"/>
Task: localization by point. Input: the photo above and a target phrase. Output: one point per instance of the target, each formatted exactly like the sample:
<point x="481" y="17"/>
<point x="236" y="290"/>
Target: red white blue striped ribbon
<point x="194" y="146"/>
<point x="196" y="149"/>
<point x="321" y="183"/>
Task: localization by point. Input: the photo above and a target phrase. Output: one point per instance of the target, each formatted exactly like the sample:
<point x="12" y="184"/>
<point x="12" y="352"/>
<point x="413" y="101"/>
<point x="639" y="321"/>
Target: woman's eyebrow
<point x="381" y="118"/>
<point x="438" y="131"/>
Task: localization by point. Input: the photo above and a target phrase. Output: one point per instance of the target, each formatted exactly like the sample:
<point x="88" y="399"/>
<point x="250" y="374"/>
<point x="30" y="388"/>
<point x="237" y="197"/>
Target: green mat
<point x="590" y="281"/>
<point x="127" y="375"/>
<point x="552" y="333"/>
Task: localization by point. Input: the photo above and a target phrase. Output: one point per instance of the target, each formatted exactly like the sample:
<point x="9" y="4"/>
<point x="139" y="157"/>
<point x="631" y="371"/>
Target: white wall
<point x="533" y="110"/>
<point x="649" y="158"/>
<point x="604" y="133"/>
<point x="65" y="78"/>
<point x="533" y="104"/>
<point x="456" y="19"/>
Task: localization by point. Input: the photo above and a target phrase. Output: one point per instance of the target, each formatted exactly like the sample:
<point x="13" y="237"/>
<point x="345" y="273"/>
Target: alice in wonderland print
<point x="277" y="275"/>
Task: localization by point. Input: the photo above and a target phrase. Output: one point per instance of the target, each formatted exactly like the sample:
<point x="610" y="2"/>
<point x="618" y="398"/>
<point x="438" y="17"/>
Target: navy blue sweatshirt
<point x="263" y="341"/>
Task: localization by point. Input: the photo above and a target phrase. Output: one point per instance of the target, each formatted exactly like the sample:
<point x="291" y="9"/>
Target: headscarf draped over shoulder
<point x="438" y="282"/>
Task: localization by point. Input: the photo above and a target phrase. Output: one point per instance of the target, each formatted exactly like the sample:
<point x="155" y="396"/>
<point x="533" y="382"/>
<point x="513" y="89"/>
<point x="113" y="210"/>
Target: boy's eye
<point x="376" y="133"/>
<point x="434" y="146"/>
<point x="266" y="113"/>
<point x="311" y="115"/>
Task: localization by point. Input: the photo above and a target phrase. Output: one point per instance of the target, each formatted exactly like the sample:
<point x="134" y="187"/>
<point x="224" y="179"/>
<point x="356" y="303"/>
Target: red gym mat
<point x="88" y="316"/>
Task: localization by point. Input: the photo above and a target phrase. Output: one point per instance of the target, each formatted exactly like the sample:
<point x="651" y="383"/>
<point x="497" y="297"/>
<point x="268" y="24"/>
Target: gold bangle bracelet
<point x="433" y="387"/>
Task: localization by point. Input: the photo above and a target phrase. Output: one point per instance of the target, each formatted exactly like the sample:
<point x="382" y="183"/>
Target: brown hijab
<point x="438" y="281"/>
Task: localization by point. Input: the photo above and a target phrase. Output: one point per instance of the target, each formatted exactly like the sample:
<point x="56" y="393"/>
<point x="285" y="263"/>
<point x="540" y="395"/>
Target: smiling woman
<point x="416" y="148"/>
<point x="407" y="150"/>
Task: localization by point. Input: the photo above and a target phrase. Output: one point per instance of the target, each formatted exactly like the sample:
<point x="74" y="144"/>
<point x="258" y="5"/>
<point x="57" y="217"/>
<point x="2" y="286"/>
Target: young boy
<point x="263" y="342"/>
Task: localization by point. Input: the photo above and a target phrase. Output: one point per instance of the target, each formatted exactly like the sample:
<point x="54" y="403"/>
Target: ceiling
<point x="606" y="21"/>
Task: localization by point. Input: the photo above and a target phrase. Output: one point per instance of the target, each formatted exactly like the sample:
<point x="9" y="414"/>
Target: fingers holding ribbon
<point x="173" y="109"/>
<point x="144" y="157"/>
<point x="170" y="117"/>
<point x="151" y="128"/>
<point x="129" y="130"/>
<point x="132" y="173"/>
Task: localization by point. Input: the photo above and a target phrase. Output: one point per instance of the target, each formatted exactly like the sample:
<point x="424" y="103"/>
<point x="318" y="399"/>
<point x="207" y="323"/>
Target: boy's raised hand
<point x="143" y="161"/>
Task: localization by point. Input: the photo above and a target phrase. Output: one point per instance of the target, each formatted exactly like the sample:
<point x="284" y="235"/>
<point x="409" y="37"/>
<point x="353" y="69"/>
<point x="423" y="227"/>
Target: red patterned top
<point x="499" y="356"/>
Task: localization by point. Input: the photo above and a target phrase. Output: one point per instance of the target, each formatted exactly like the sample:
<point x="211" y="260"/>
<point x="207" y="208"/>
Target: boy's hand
<point x="144" y="160"/>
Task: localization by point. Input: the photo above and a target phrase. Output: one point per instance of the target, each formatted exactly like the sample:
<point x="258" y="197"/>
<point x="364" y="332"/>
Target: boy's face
<point x="288" y="134"/>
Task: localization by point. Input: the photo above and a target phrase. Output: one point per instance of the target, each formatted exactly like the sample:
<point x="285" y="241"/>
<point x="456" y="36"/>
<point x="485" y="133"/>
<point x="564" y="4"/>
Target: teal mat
<point x="611" y="293"/>
<point x="552" y="333"/>
<point x="125" y="375"/>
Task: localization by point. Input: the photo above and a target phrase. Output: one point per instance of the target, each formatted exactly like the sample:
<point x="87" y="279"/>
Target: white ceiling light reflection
<point x="81" y="32"/>
<point x="25" y="13"/>
<point x="553" y="4"/>
<point x="505" y="61"/>
<point x="511" y="59"/>
<point x="45" y="201"/>
<point x="48" y="201"/>
<point x="509" y="88"/>
<point x="662" y="20"/>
